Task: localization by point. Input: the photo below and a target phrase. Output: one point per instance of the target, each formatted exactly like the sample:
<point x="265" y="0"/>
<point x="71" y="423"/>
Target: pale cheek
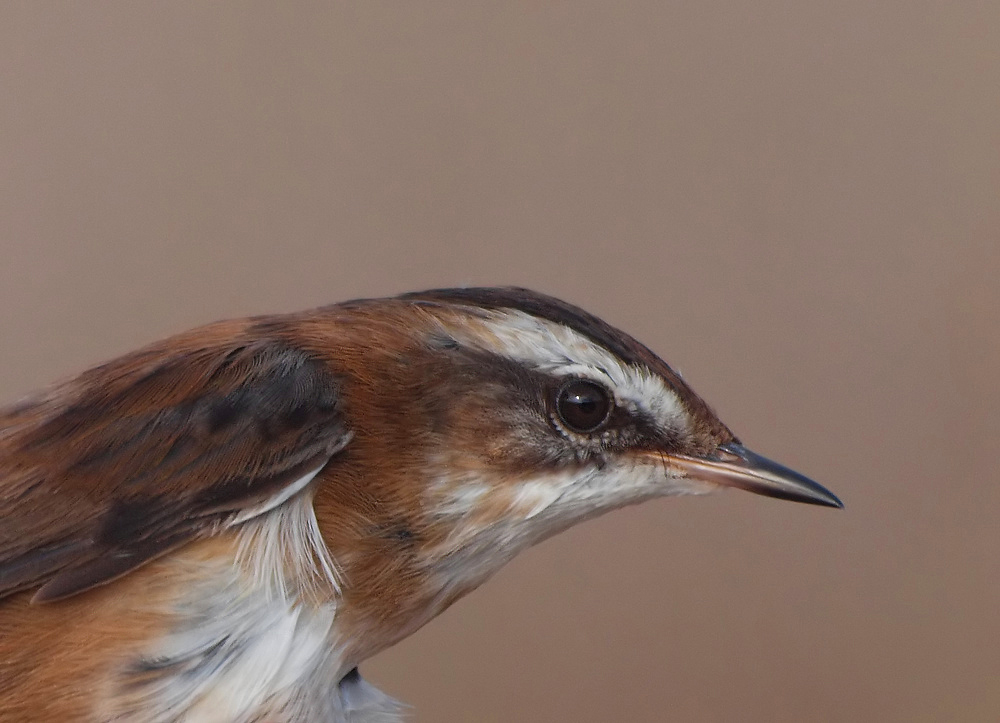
<point x="529" y="499"/>
<point x="458" y="499"/>
<point x="563" y="497"/>
<point x="485" y="523"/>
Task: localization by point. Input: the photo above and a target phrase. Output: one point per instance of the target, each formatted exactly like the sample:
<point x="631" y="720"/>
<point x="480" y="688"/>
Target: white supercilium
<point x="559" y="350"/>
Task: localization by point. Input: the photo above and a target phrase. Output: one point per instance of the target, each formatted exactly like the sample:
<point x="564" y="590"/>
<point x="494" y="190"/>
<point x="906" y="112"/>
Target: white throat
<point x="491" y="524"/>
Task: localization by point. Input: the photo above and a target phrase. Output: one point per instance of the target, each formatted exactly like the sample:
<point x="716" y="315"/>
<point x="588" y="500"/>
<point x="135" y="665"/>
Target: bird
<point x="223" y="525"/>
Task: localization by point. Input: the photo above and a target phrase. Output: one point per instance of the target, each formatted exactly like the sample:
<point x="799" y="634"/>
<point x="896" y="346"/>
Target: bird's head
<point x="497" y="417"/>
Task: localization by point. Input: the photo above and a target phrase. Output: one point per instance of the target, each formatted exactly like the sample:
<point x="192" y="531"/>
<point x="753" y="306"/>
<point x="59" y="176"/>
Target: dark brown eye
<point x="583" y="406"/>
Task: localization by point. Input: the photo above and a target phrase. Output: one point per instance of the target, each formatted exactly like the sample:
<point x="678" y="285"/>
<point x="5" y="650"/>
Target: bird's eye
<point x="583" y="406"/>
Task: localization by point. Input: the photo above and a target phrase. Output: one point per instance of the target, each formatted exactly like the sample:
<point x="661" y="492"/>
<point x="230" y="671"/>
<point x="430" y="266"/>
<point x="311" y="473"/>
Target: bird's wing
<point x="138" y="456"/>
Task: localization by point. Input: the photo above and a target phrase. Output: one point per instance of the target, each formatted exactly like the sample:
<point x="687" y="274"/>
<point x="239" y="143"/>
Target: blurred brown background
<point x="795" y="203"/>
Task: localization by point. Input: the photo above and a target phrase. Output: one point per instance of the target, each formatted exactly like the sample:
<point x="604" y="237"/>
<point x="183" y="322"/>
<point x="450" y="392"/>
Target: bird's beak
<point x="733" y="465"/>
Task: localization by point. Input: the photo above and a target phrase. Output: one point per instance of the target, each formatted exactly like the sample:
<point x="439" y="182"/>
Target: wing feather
<point x="136" y="457"/>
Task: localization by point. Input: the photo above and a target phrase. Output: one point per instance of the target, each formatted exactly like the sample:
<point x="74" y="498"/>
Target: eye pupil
<point x="583" y="406"/>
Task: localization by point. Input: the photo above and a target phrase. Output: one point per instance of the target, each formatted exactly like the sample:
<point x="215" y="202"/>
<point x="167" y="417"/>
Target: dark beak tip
<point x="831" y="501"/>
<point x="761" y="475"/>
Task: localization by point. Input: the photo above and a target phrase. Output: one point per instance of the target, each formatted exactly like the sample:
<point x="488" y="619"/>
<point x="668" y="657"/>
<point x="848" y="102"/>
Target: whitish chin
<point x="490" y="521"/>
